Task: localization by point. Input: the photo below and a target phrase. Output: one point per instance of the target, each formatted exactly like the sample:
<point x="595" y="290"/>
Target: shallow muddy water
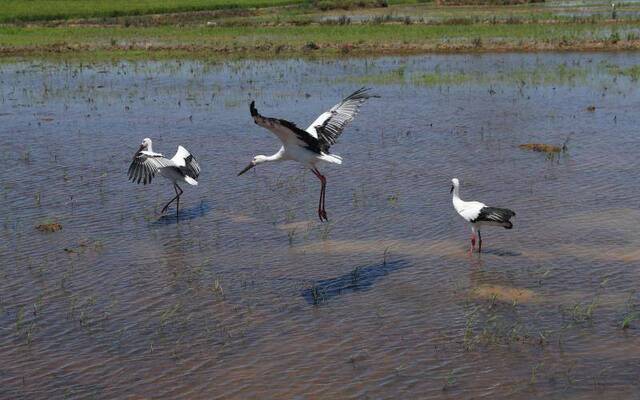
<point x="248" y="296"/>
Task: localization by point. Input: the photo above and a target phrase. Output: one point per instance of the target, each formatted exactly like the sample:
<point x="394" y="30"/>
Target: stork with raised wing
<point x="311" y="146"/>
<point x="181" y="168"/>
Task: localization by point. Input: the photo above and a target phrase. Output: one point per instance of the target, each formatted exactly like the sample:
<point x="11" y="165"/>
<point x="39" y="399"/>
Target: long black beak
<point x="248" y="167"/>
<point x="138" y="151"/>
<point x="451" y="191"/>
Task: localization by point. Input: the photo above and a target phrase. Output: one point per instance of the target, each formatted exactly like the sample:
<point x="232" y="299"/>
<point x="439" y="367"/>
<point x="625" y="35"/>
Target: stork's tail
<point x="331" y="158"/>
<point x="191" y="181"/>
<point x="495" y="216"/>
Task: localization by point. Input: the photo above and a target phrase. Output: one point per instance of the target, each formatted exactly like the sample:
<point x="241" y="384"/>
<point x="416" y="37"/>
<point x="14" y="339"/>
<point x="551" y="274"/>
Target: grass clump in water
<point x="49" y="226"/>
<point x="541" y="147"/>
<point x="396" y="76"/>
<point x="437" y="79"/>
<point x="317" y="294"/>
<point x="633" y="73"/>
<point x="553" y="152"/>
<point x="628" y="319"/>
<point x="582" y="312"/>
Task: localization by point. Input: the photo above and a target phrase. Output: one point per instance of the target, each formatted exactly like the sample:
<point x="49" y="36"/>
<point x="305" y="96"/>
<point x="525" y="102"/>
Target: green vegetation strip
<point x="536" y="75"/>
<point x="42" y="10"/>
<point x="47" y="10"/>
<point x="264" y="41"/>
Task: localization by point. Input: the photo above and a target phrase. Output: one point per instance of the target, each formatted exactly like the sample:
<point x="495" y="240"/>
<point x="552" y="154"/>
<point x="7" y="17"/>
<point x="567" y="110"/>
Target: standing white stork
<point x="478" y="214"/>
<point x="310" y="146"/>
<point x="182" y="168"/>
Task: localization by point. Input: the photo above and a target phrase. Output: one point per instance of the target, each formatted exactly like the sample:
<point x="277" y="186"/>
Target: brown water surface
<point x="248" y="296"/>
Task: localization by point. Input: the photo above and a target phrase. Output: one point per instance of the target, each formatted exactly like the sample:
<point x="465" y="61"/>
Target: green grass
<point x="39" y="10"/>
<point x="46" y="10"/>
<point x="632" y="73"/>
<point x="291" y="35"/>
<point x="629" y="319"/>
<point x="443" y="79"/>
<point x="397" y="76"/>
<point x="287" y="31"/>
<point x="539" y="74"/>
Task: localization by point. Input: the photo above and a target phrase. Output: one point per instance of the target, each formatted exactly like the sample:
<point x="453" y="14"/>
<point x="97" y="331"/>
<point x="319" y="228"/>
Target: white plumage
<point x="479" y="214"/>
<point x="182" y="167"/>
<point x="310" y="146"/>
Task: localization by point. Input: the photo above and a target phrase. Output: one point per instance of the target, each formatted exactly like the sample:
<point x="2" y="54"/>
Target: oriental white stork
<point x="311" y="146"/>
<point x="181" y="168"/>
<point x="478" y="214"/>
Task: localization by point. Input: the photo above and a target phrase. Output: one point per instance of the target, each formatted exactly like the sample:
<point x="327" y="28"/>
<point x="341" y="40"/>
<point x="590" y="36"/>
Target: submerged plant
<point x="318" y="295"/>
<point x="534" y="373"/>
<point x="19" y="318"/>
<point x="628" y="319"/>
<point x="450" y="380"/>
<point x="216" y="288"/>
<point x="355" y="275"/>
<point x="324" y="231"/>
<point x="582" y="312"/>
<point x="291" y="233"/>
<point x="469" y="337"/>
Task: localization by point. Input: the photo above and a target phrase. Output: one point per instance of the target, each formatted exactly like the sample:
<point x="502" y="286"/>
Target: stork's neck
<point x="457" y="201"/>
<point x="456" y="192"/>
<point x="149" y="148"/>
<point x="276" y="157"/>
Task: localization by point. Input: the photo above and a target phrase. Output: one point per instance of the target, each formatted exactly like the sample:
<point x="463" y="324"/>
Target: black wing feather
<point x="494" y="214"/>
<point x="339" y="116"/>
<point x="143" y="168"/>
<point x="276" y="126"/>
<point x="312" y="143"/>
<point x="191" y="167"/>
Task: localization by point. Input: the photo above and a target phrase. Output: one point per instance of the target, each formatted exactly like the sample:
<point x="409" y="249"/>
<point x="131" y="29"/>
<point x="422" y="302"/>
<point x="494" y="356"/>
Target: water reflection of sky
<point x="139" y="302"/>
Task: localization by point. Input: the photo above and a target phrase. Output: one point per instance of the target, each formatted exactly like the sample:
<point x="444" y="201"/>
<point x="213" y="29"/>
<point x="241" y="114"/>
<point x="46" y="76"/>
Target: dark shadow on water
<point x="361" y="278"/>
<point x="186" y="214"/>
<point x="501" y="253"/>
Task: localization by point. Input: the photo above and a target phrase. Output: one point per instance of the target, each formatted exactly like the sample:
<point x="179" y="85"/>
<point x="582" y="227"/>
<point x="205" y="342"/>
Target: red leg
<point x="322" y="214"/>
<point x="473" y="242"/>
<point x="324" y="196"/>
<point x="317" y="174"/>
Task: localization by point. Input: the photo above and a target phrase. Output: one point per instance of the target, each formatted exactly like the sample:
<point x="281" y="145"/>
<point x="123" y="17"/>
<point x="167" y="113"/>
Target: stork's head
<point x="454" y="184"/>
<point x="145" y="145"/>
<point x="255" y="161"/>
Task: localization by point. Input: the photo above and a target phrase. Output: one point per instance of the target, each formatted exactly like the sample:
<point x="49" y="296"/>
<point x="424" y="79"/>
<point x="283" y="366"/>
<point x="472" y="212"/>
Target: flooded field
<point x="249" y="296"/>
<point x="422" y="12"/>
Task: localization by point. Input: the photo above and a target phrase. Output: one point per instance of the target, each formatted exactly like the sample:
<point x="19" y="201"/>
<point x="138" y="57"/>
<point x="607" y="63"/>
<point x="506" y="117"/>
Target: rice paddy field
<point x="208" y="29"/>
<point x="249" y="296"/>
